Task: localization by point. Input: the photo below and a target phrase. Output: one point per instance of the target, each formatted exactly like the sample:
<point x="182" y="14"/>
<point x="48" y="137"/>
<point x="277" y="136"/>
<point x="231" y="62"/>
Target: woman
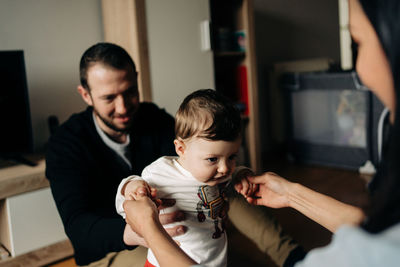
<point x="375" y="26"/>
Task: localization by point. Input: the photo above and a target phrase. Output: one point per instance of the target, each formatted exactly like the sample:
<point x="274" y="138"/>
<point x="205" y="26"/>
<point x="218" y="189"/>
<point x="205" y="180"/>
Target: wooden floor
<point x="346" y="186"/>
<point x="65" y="263"/>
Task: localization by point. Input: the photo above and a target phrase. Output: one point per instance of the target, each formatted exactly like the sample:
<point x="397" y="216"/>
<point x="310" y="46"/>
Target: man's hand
<point x="175" y="216"/>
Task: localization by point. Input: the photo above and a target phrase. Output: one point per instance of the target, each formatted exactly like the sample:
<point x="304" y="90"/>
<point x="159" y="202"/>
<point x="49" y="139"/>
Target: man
<point x="115" y="137"/>
<point x="92" y="151"/>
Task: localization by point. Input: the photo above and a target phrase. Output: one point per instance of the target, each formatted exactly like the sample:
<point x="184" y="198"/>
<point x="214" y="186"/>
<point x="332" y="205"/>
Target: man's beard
<point x="110" y="125"/>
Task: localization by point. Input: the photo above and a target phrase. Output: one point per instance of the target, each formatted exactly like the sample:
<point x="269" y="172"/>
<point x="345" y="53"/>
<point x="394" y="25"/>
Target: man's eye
<point x="212" y="160"/>
<point x="233" y="157"/>
<point x="132" y="93"/>
<point x="108" y="98"/>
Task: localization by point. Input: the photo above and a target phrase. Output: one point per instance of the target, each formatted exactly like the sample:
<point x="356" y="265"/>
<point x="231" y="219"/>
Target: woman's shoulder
<point x="353" y="246"/>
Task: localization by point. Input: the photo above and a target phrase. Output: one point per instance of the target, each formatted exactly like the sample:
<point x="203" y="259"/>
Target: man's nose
<point x="120" y="105"/>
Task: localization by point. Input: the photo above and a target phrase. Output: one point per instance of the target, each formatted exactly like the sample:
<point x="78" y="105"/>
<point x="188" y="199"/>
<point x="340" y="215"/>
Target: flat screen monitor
<point x="15" y="119"/>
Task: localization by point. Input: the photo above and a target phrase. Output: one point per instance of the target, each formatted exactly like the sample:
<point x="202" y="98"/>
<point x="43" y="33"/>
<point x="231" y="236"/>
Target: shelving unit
<point x="235" y="66"/>
<point x="30" y="227"/>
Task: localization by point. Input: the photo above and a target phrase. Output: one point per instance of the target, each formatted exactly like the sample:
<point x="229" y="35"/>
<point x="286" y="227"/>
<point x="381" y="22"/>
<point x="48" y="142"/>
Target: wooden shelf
<point x="24" y="193"/>
<point x="235" y="65"/>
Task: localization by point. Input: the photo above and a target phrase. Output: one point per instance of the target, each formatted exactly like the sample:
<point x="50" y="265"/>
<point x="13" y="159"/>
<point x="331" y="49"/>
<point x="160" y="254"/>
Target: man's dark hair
<point x="207" y="114"/>
<point x="108" y="54"/>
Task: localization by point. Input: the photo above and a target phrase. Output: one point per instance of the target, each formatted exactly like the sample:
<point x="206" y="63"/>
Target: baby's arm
<point x="242" y="184"/>
<point x="129" y="189"/>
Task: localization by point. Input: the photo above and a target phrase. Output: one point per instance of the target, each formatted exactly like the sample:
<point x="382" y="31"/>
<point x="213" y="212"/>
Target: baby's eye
<point x="212" y="160"/>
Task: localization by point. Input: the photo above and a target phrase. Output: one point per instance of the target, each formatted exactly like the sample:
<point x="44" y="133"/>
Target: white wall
<point x="177" y="64"/>
<point x="53" y="35"/>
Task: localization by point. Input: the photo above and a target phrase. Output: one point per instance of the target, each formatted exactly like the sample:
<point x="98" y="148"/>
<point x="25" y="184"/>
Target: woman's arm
<point x="276" y="192"/>
<point x="142" y="216"/>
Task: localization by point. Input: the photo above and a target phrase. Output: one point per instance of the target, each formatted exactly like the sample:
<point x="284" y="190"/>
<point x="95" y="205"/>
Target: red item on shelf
<point x="243" y="87"/>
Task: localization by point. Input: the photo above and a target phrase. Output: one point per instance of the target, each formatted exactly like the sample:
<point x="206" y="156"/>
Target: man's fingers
<point x="153" y="192"/>
<point x="176" y="230"/>
<point x="171" y="217"/>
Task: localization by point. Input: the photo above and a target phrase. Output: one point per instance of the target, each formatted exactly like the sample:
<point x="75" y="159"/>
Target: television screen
<point x="16" y="128"/>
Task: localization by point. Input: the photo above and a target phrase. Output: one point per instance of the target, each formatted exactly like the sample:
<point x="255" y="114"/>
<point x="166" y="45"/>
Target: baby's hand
<point x="242" y="184"/>
<point x="135" y="188"/>
<point x="246" y="188"/>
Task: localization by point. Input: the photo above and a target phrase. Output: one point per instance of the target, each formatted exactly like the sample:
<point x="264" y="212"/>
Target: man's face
<point x="114" y="96"/>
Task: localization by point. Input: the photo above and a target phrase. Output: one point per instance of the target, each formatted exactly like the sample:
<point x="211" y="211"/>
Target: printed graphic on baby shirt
<point x="211" y="200"/>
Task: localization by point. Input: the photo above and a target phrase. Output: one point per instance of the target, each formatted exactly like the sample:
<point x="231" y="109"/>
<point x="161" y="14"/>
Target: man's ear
<point x="85" y="94"/>
<point x="179" y="147"/>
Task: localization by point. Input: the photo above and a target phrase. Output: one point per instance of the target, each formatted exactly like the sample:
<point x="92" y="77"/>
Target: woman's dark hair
<point x="108" y="54"/>
<point x="384" y="210"/>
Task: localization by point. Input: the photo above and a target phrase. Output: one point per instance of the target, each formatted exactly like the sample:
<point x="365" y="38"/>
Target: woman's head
<point x="375" y="27"/>
<point x="373" y="64"/>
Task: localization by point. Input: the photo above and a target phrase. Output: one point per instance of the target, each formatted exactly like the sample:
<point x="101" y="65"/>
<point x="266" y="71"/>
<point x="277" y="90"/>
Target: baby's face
<point x="210" y="162"/>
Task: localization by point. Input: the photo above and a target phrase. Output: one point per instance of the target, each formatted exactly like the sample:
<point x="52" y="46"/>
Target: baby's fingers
<point x="140" y="192"/>
<point x="245" y="188"/>
<point x="254" y="189"/>
<point x="238" y="187"/>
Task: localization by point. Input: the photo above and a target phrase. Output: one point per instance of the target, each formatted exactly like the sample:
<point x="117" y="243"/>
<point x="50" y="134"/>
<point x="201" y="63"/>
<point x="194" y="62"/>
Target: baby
<point x="208" y="137"/>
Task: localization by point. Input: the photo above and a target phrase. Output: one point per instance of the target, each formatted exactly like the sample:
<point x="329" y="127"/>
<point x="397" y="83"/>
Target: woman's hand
<point x="277" y="192"/>
<point x="140" y="213"/>
<point x="145" y="210"/>
<point x="272" y="190"/>
<point x="142" y="216"/>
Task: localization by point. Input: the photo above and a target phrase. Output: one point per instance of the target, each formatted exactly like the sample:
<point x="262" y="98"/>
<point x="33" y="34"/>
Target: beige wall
<point x="53" y="35"/>
<point x="178" y="66"/>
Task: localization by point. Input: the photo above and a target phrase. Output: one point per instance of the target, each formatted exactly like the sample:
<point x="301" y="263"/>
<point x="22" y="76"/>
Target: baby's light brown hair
<point x="207" y="114"/>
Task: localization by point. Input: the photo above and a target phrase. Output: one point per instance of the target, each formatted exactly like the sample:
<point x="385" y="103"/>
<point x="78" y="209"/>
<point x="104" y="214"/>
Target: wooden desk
<point x="16" y="182"/>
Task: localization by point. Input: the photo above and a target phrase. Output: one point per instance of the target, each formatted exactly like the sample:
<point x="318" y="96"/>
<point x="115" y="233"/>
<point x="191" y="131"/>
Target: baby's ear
<point x="179" y="147"/>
